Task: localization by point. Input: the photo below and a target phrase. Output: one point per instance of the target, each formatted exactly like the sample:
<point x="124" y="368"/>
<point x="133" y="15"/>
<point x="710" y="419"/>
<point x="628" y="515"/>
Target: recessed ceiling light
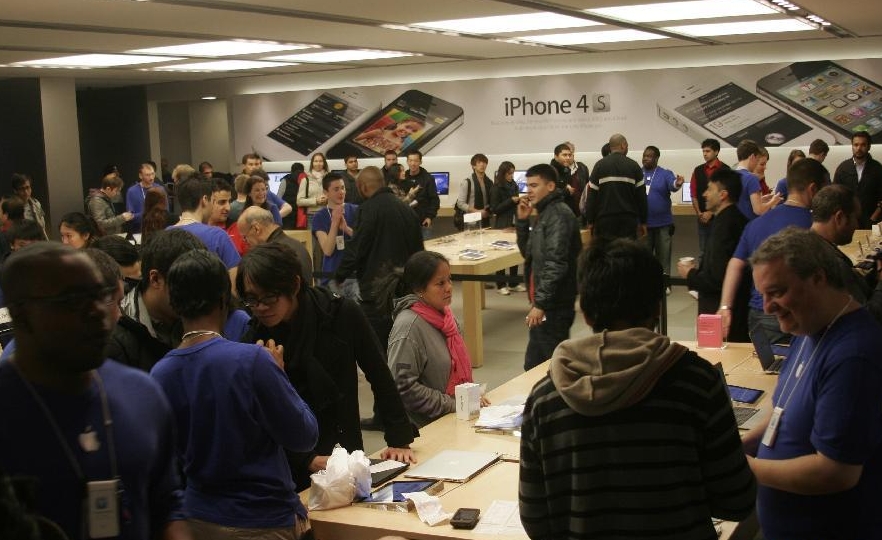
<point x="340" y="56"/>
<point x="224" y="48"/>
<point x="747" y="27"/>
<point x="584" y="38"/>
<point x="222" y="65"/>
<point x="678" y="11"/>
<point x="95" y="60"/>
<point x="498" y="24"/>
<point x="209" y="98"/>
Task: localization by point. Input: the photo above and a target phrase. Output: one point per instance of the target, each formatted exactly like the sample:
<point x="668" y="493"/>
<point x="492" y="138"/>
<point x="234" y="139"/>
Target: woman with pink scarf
<point x="427" y="354"/>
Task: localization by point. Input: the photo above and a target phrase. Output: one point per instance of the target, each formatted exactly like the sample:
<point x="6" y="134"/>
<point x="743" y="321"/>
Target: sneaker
<point x="694" y="294"/>
<point x="504" y="291"/>
<point x="668" y="291"/>
<point x="519" y="288"/>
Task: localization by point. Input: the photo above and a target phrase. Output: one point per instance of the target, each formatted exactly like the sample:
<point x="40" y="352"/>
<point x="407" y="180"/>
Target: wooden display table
<point x="500" y="481"/>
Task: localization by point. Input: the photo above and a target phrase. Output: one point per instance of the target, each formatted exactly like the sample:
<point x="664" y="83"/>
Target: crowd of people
<point x="195" y="382"/>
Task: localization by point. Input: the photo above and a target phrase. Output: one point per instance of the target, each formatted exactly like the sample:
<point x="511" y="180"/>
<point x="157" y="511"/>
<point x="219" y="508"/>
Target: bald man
<point x="256" y="225"/>
<point x="617" y="203"/>
<point x="387" y="233"/>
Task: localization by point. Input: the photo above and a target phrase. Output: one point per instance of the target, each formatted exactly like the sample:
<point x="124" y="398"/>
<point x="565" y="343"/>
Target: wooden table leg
<point x="473" y="321"/>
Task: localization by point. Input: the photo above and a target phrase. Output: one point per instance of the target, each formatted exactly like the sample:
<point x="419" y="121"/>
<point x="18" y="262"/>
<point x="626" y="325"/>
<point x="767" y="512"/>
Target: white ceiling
<point x="39" y="29"/>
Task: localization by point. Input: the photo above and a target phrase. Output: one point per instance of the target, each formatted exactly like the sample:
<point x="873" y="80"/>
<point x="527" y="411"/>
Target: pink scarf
<point x="460" y="363"/>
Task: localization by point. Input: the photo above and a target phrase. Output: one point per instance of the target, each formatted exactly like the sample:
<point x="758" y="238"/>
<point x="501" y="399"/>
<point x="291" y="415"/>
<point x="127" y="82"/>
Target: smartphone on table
<point x="414" y="120"/>
<point x="829" y="95"/>
<point x="726" y="111"/>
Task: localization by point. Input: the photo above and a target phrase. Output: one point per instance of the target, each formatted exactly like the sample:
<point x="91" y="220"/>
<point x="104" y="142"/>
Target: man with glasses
<point x="95" y="437"/>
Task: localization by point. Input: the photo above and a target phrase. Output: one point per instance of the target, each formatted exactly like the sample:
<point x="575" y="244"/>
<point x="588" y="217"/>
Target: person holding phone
<point x="549" y="248"/>
<point x="427" y="202"/>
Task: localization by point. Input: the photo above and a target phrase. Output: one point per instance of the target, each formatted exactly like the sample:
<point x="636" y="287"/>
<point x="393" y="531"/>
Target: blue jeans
<point x="658" y="240"/>
<point x="547" y="336"/>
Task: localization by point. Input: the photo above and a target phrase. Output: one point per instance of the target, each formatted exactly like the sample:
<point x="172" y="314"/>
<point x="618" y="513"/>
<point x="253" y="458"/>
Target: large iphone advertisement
<point x="786" y="104"/>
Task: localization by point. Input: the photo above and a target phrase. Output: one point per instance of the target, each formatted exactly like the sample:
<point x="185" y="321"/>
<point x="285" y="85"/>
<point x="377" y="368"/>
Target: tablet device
<point x="744" y="395"/>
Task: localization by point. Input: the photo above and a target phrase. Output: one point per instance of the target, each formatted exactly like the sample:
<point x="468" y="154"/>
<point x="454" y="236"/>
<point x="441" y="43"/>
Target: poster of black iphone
<point x="319" y="121"/>
<point x="414" y="120"/>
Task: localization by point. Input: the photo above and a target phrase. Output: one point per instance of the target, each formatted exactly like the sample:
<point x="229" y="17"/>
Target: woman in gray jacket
<point x="427" y="354"/>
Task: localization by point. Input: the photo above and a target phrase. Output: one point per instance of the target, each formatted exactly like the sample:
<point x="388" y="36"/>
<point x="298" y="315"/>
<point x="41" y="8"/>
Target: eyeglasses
<point x="268" y="301"/>
<point x="76" y="301"/>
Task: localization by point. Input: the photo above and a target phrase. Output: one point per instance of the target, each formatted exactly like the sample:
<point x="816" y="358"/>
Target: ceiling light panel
<point x="680" y="11"/>
<point x="233" y="47"/>
<point x="223" y="65"/>
<point x="525" y="22"/>
<point x="747" y="27"/>
<point x="586" y="38"/>
<point x="95" y="61"/>
<point x="340" y="56"/>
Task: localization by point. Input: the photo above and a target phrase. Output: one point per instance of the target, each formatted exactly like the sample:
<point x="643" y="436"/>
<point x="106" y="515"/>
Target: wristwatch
<point x="724" y="306"/>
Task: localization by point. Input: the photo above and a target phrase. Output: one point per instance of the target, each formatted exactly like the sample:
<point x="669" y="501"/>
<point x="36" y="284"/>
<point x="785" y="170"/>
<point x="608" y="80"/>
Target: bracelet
<point x="724" y="306"/>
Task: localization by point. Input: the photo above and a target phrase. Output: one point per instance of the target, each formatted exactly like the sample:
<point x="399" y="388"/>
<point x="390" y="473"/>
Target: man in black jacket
<point x="149" y="328"/>
<point x="550" y="251"/>
<point x="387" y="233"/>
<point x="427" y="202"/>
<point x="863" y="175"/>
<point x="617" y="203"/>
<point x="721" y="194"/>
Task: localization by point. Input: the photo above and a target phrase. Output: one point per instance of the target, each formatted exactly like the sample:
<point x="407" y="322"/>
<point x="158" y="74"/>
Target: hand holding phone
<point x="524" y="208"/>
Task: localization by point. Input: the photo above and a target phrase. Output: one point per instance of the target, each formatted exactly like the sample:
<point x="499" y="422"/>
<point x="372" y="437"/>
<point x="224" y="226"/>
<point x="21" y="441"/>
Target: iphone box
<point x="468" y="400"/>
<point x="710" y="331"/>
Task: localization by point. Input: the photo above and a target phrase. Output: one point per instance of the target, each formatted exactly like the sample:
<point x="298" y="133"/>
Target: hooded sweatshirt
<point x="630" y="435"/>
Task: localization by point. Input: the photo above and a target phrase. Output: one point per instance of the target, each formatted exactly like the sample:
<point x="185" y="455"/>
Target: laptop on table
<point x="745" y="417"/>
<point x="770" y="361"/>
<point x="453" y="465"/>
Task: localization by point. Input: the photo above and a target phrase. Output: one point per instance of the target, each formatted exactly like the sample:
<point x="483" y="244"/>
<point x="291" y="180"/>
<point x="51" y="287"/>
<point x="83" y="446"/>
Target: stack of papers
<point x="501" y="417"/>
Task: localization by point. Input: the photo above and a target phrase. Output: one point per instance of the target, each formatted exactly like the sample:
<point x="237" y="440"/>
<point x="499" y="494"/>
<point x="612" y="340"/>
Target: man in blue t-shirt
<point x="82" y="425"/>
<point x="818" y="455"/>
<point x="805" y="177"/>
<point x="660" y="183"/>
<point x="752" y="203"/>
<point x="136" y="194"/>
<point x="194" y="194"/>
<point x="332" y="229"/>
